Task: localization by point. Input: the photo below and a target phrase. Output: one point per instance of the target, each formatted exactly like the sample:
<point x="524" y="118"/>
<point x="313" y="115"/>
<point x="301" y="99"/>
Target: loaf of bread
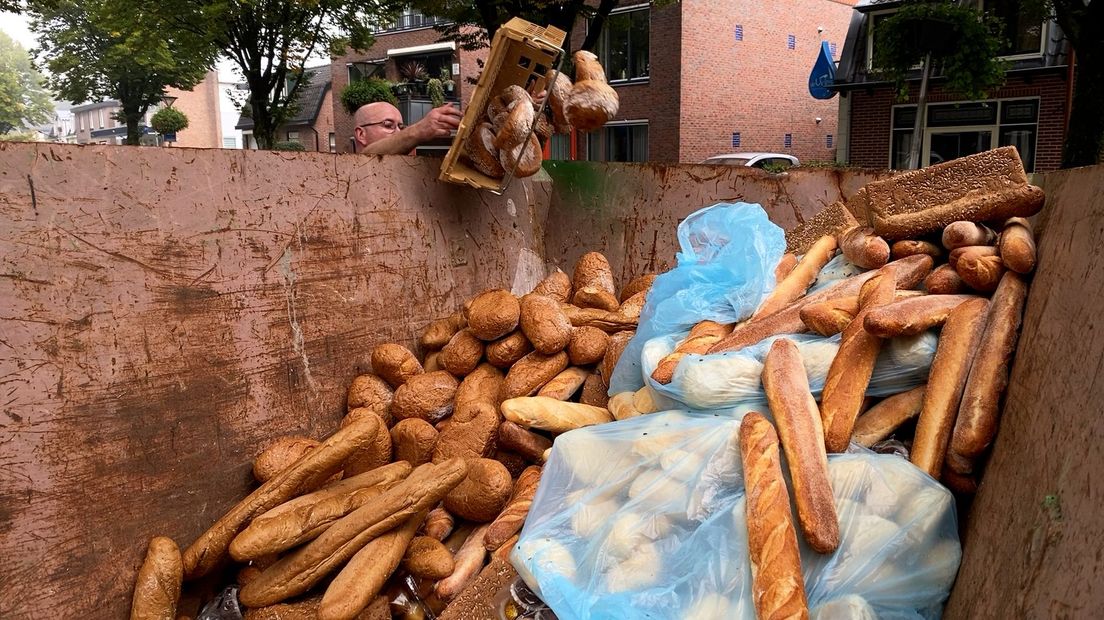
<point x="544" y="324"/>
<point x="519" y="120"/>
<point x="1017" y="245"/>
<point x="592" y="270"/>
<point x="505" y="352"/>
<point x="778" y="589"/>
<point x="493" y="314"/>
<point x="552" y="415"/>
<point x="701" y="337"/>
<point x="799" y="426"/>
<point x="394" y="363"/>
<point x="482" y="152"/>
<point x="961" y="234"/>
<point x="524" y="160"/>
<point x="556" y="285"/>
<point x="564" y="385"/>
<point x="639" y="284"/>
<point x="849" y="374"/>
<point x="591" y="102"/>
<point x="522" y="441"/>
<point x="281" y="454"/>
<point x="157" y="589"/>
<point x="979" y="271"/>
<point x="800" y="278"/>
<point x="958" y="344"/>
<point x="910" y="247"/>
<point x="785" y="265"/>
<point x="587" y="346"/>
<point x="979" y="412"/>
<point x="879" y="422"/>
<point x="864" y="248"/>
<point x="944" y="280"/>
<point x="911" y="316"/>
<point x="831" y="317"/>
<point x="973" y="251"/>
<point x="511" y="519"/>
<point x="439" y="523"/>
<point x="427" y="557"/>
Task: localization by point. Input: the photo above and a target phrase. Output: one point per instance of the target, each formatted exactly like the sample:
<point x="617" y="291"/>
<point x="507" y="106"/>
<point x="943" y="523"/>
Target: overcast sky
<point x="16" y="27"/>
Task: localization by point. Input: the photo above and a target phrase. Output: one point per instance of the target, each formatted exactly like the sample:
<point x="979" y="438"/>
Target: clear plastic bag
<point x="726" y="267"/>
<point x="722" y="380"/>
<point x="644" y="518"/>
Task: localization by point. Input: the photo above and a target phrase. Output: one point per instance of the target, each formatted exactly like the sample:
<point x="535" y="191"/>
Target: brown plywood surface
<point x="163" y="312"/>
<point x="1034" y="539"/>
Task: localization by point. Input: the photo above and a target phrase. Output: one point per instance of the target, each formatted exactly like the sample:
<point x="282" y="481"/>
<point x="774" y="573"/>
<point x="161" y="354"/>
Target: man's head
<point x="375" y="121"/>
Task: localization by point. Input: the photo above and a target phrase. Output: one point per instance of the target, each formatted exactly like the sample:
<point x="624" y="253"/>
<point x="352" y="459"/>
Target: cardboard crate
<point x="522" y="53"/>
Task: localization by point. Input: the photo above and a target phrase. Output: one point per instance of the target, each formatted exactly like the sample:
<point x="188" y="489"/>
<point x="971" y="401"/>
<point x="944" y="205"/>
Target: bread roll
<point x="958" y="344"/>
<point x="799" y="426"/>
<point x="980" y="272"/>
<point x="519" y="122"/>
<point x="961" y="234"/>
<point x="482" y="153"/>
<point x="639" y="284"/>
<point x="504" y="352"/>
<point x="587" y="67"/>
<point x="1017" y="246"/>
<point x="912" y="316"/>
<point x="587" y="346"/>
<point x="864" y="248"/>
<point x="558" y="92"/>
<point x="552" y="415"/>
<point x="395" y="363"/>
<point x="557" y="286"/>
<point x="593" y="270"/>
<point x="544" y="324"/>
<point x="944" y="280"/>
<point x="882" y="419"/>
<point x="523" y="160"/>
<point x="974" y="251"/>
<point x="702" y="336"/>
<point x="979" y="412"/>
<point x="849" y="374"/>
<point x="778" y="589"/>
<point x="798" y="281"/>
<point x="831" y="317"/>
<point x="909" y="247"/>
<point x="493" y="314"/>
<point x="157" y="589"/>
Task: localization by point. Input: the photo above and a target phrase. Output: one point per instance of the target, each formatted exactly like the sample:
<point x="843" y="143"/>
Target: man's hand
<point x="438" y="123"/>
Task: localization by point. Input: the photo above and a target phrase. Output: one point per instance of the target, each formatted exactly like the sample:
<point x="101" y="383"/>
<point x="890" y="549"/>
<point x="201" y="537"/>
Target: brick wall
<point x="201" y="106"/>
<point x="871" y="117"/>
<point x="756" y="86"/>
<point x="324" y="123"/>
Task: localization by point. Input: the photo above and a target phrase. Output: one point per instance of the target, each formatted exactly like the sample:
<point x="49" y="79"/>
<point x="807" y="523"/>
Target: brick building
<point x="312" y="124"/>
<point x="94" y="123"/>
<point x="1029" y="111"/>
<point x="695" y="79"/>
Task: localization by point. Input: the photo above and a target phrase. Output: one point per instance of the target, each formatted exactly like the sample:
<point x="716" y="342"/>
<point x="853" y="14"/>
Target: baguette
<point x="157" y="589"/>
<point x="309" y="471"/>
<point x="564" y="385"/>
<point x="882" y="419"/>
<point x="910" y="272"/>
<point x="363" y="577"/>
<point x="961" y="234"/>
<point x="1017" y="246"/>
<point x="300" y="570"/>
<point x="944" y="281"/>
<point x="702" y="336"/>
<point x="910" y="247"/>
<point x="784" y="267"/>
<point x="979" y="413"/>
<point x="799" y="426"/>
<point x="980" y="272"/>
<point x="850" y="371"/>
<point x="864" y="248"/>
<point x="831" y="317"/>
<point x="912" y="316"/>
<point x="522" y="441"/>
<point x="439" y="523"/>
<point x="467" y="563"/>
<point x="510" y="520"/>
<point x="958" y="344"/>
<point x="387" y="473"/>
<point x="552" y="415"/>
<point x="778" y="589"/>
<point x="799" y="280"/>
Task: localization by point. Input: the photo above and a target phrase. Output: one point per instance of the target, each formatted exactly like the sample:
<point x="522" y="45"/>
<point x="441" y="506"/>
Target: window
<point x="791" y="42"/>
<point x="229" y="142"/>
<point x="333" y="142"/>
<point x="832" y="49"/>
<point x="411" y="18"/>
<point x="955" y="130"/>
<point x="787" y="141"/>
<point x="623" y="45"/>
<point x="1023" y="36"/>
<point x="828" y="141"/>
<point x="101" y="117"/>
<point x="293" y="136"/>
<point x="739" y="32"/>
<point x="735" y="139"/>
<point x="364" y="70"/>
<point x="625" y="142"/>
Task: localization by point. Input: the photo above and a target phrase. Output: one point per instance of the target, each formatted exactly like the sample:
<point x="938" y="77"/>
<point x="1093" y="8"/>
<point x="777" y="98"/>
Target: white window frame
<point x="1043" y="35"/>
<point x="870" y="35"/>
<point x="643" y="6"/>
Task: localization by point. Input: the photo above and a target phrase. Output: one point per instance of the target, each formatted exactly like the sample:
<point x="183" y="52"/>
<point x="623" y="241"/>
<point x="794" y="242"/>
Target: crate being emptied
<point x="522" y="54"/>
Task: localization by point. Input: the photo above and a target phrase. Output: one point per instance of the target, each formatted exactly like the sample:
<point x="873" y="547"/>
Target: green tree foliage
<point x="23" y="101"/>
<point x="271" y="40"/>
<point x="168" y="120"/>
<point x="362" y="92"/>
<point x="290" y="145"/>
<point x="127" y="50"/>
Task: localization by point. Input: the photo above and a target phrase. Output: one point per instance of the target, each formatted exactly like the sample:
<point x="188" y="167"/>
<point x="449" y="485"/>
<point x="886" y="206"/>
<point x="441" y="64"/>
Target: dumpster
<point x="167" y="312"/>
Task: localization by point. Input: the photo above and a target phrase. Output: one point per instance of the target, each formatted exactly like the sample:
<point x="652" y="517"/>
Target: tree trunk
<point x="917" y="146"/>
<point x="133" y="117"/>
<point x="264" y="132"/>
<point x="597" y="24"/>
<point x="1085" y="136"/>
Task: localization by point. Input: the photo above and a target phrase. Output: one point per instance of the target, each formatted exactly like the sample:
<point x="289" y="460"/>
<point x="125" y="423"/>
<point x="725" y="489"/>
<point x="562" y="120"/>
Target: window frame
<point x="643" y="6"/>
<point x="604" y="142"/>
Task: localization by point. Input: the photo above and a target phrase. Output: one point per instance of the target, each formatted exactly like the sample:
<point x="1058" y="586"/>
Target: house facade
<point x="695" y="79"/>
<point x="1029" y="111"/>
<point x="312" y="124"/>
<point x="95" y="123"/>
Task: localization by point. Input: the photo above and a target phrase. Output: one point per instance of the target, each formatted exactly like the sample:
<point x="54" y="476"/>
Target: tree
<point x="169" y="121"/>
<point x="954" y="37"/>
<point x="119" y="49"/>
<point x="271" y="40"/>
<point x="362" y="92"/>
<point x="23" y="102"/>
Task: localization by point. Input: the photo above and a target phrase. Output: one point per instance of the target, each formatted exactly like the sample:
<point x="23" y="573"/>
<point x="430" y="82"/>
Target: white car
<point x="753" y="160"/>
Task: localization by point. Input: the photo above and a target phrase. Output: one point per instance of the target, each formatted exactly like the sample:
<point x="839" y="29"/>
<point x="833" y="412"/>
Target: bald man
<point x="380" y="129"/>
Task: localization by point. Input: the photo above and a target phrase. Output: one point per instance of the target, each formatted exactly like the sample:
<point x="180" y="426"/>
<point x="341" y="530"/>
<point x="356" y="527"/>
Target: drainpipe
<point x="1069" y="93"/>
<point x="317" y="144"/>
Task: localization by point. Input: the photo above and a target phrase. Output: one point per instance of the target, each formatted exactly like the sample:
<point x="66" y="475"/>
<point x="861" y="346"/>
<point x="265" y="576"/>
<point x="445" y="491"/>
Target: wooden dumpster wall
<point x="1036" y="533"/>
<point x="165" y="312"/>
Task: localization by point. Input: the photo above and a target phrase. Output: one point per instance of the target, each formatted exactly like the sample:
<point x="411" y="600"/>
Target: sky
<point x="18" y="28"/>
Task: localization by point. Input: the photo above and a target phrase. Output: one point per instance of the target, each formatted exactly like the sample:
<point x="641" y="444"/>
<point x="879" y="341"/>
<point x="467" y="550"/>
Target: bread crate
<point x="522" y="53"/>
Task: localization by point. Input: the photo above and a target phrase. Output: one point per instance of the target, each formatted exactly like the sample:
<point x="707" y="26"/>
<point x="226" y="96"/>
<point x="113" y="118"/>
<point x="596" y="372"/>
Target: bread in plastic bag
<point x="723" y="380"/>
<point x="645" y="518"/>
<point x="725" y="267"/>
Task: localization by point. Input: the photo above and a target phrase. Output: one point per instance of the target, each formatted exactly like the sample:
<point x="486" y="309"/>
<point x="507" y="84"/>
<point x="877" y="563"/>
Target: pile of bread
<point x="509" y="137"/>
<point x="432" y="471"/>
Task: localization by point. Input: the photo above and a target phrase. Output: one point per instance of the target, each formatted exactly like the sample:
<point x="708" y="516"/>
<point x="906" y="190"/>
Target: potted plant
<point x="415" y="76"/>
<point x="446" y="80"/>
<point x="436" y="91"/>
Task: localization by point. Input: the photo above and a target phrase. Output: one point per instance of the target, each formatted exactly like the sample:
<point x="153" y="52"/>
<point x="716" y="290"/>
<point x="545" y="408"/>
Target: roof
<point x="311" y="96"/>
<point x="107" y="103"/>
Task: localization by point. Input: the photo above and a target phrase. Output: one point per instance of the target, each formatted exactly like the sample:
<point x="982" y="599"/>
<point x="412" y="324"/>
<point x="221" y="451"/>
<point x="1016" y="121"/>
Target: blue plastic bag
<point x="723" y="380"/>
<point x="645" y="518"/>
<point x="726" y="267"/>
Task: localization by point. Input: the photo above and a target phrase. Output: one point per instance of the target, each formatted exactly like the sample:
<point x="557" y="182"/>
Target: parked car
<point x="754" y="160"/>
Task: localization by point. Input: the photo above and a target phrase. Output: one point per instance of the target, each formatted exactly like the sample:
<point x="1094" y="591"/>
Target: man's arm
<point x="439" y="123"/>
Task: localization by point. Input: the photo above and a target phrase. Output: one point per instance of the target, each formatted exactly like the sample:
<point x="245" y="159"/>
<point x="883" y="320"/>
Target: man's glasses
<point x="387" y="124"/>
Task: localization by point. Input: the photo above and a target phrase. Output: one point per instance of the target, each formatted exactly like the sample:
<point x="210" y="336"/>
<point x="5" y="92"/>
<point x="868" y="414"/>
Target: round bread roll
<point x="557" y="286"/>
<point x="591" y="105"/>
<point x="518" y="123"/>
<point x="427" y="396"/>
<point x="413" y="440"/>
<point x="462" y="354"/>
<point x="504" y="352"/>
<point x="493" y="314"/>
<point x="395" y="363"/>
<point x="526" y="157"/>
<point x="280" y="454"/>
<point x="369" y="391"/>
<point x="482" y="153"/>
<point x="483" y="493"/>
<point x="587" y="67"/>
<point x="545" y="324"/>
<point x="587" y="346"/>
<point x="558" y="91"/>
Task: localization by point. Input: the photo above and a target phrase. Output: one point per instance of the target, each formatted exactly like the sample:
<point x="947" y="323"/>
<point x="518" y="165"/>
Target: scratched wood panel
<point x="1035" y="537"/>
<point x="164" y="312"/>
<point x="633" y="211"/>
